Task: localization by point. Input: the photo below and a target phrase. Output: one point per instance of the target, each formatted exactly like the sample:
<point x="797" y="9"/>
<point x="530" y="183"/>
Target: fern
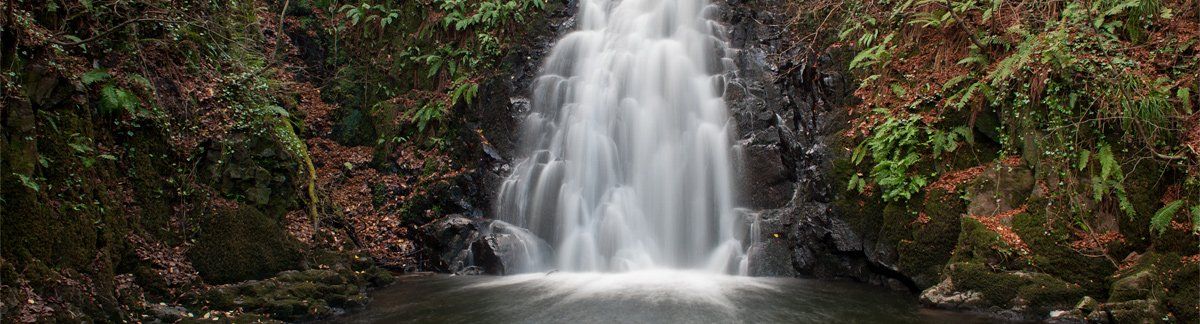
<point x="1163" y="217"/>
<point x="94" y="76"/>
<point x="1196" y="219"/>
<point x="114" y="99"/>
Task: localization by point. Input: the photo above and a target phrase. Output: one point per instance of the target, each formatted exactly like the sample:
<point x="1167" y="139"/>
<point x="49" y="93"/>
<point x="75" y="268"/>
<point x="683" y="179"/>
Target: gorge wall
<point x="986" y="235"/>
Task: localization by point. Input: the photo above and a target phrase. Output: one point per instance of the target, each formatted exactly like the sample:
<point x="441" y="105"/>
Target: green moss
<point x="1144" y="188"/>
<point x="1183" y="287"/>
<point x="861" y="212"/>
<point x="1162" y="277"/>
<point x="923" y="256"/>
<point x="1005" y="289"/>
<point x="242" y="244"/>
<point x="976" y="243"/>
<point x="1050" y="252"/>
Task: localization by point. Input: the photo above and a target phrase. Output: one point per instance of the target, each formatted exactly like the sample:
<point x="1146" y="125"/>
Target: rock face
<point x="465" y="245"/>
<point x="987" y="240"/>
<point x="788" y="109"/>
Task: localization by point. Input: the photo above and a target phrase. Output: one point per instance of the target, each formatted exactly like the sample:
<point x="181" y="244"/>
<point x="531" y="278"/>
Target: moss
<point x="859" y="211"/>
<point x="295" y="295"/>
<point x="1010" y="289"/>
<point x="1050" y="252"/>
<point x="1163" y="277"/>
<point x="242" y="244"/>
<point x="976" y="243"/>
<point x="1144" y="188"/>
<point x="996" y="289"/>
<point x="932" y="243"/>
<point x="1045" y="292"/>
<point x="1183" y="287"/>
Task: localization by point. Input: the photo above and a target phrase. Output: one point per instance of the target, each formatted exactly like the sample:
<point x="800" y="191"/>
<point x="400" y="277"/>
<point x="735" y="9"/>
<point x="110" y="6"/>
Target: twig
<point x="110" y="30"/>
<point x="962" y="23"/>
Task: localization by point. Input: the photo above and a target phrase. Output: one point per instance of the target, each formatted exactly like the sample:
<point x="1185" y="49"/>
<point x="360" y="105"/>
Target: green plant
<point x="895" y="146"/>
<point x="1163" y="217"/>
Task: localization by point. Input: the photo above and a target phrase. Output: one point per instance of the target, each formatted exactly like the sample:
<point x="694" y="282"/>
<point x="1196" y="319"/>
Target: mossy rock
<point x="242" y="244"/>
<point x="355" y="129"/>
<point x="1133" y="311"/>
<point x="977" y="243"/>
<point x="1035" y="292"/>
<point x="861" y="212"/>
<point x="256" y="170"/>
<point x="1050" y="252"/>
<point x="925" y="254"/>
<point x="1145" y="187"/>
<point x="1163" y="277"/>
<point x="297" y="295"/>
<point x="1183" y="292"/>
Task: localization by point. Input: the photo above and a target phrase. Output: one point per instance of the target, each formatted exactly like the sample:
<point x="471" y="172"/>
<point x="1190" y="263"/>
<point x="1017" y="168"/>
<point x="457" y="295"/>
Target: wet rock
<point x="944" y="295"/>
<point x="477" y="246"/>
<point x="769" y="177"/>
<point x="451" y="240"/>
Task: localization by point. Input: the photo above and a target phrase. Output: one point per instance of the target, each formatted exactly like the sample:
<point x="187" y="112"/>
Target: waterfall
<point x="626" y="154"/>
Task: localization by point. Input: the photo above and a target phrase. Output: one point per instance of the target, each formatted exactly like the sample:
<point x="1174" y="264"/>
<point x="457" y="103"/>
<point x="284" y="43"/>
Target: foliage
<point x="1162" y="218"/>
<point x="441" y="50"/>
<point x="1086" y="91"/>
<point x="895" y="146"/>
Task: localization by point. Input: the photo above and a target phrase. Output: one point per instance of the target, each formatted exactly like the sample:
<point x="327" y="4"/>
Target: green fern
<point x="1163" y="217"/>
<point x="94" y="76"/>
<point x="114" y="99"/>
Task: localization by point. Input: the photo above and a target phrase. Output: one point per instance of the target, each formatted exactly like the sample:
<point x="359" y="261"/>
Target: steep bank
<point x="868" y="191"/>
<point x="157" y="154"/>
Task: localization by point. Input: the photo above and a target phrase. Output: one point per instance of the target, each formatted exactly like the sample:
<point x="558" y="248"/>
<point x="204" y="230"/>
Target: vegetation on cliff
<point x="1078" y="124"/>
<point x="153" y="150"/>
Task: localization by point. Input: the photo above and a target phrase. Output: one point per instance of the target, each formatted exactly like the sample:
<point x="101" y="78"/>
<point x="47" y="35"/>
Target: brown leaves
<point x="169" y="263"/>
<point x="996" y="223"/>
<point x="950" y="181"/>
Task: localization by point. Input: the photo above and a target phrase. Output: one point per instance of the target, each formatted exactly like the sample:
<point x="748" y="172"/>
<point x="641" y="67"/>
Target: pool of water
<point x="640" y="297"/>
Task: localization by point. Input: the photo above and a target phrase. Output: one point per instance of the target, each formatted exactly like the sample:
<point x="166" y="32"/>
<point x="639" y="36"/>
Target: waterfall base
<point x="651" y="296"/>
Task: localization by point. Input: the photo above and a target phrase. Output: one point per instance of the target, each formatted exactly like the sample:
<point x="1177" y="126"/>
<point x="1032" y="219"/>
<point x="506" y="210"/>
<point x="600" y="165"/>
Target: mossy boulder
<point x="1051" y="252"/>
<point x="1030" y="294"/>
<point x="1164" y="278"/>
<point x="355" y="128"/>
<point x="977" y="243"/>
<point x="242" y="244"/>
<point x="1135" y="286"/>
<point x="298" y="295"/>
<point x="934" y="235"/>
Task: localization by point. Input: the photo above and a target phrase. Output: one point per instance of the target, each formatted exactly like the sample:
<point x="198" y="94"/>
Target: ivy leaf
<point x="27" y="182"/>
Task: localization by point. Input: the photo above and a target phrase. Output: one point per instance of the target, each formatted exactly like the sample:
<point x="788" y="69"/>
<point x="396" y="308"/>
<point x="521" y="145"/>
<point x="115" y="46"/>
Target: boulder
<point x="242" y="244"/>
<point x="464" y="245"/>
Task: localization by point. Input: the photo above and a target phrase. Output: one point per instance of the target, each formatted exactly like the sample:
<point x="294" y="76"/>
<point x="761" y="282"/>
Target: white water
<point x="626" y="151"/>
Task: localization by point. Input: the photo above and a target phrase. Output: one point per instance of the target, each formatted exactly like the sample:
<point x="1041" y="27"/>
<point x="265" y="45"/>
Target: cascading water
<point x="627" y="151"/>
